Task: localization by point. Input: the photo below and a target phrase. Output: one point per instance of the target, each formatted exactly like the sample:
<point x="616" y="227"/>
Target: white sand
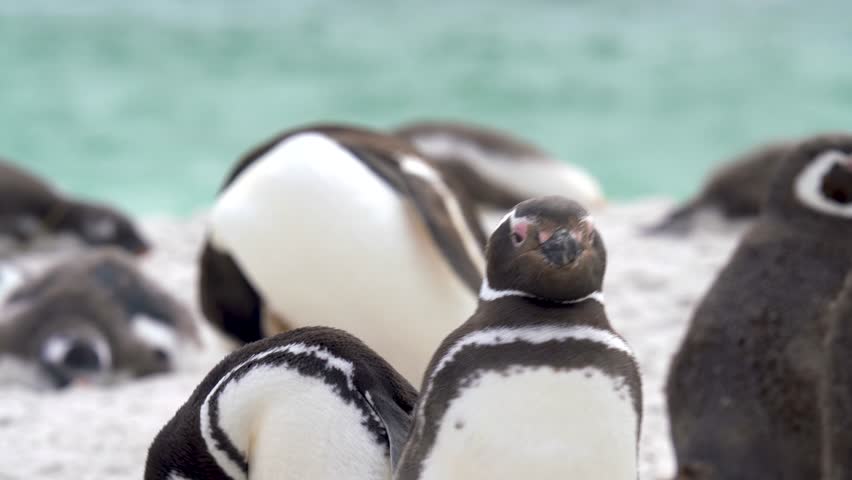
<point x="652" y="286"/>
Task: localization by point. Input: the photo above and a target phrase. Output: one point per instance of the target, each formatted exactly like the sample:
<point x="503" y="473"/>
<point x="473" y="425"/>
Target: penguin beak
<point x="561" y="248"/>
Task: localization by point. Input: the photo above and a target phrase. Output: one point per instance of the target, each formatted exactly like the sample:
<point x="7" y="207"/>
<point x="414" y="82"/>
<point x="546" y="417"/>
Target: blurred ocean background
<point x="147" y="104"/>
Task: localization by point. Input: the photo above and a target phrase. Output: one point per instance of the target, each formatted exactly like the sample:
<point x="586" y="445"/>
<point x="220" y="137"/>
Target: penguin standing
<point x="736" y="190"/>
<point x="30" y="208"/>
<point x="497" y="170"/>
<point x="536" y="384"/>
<point x="743" y="387"/>
<point x="314" y="403"/>
<point x="339" y="226"/>
<point x="93" y="319"/>
<point x="837" y="390"/>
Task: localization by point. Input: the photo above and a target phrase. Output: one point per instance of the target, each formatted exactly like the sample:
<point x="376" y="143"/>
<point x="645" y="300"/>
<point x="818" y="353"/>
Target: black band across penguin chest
<point x="511" y="347"/>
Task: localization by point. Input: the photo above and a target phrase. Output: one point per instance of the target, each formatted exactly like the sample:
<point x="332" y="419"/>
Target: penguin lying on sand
<point x="536" y="384"/>
<point x="743" y="390"/>
<point x="30" y="208"/>
<point x="314" y="403"/>
<point x="497" y="170"/>
<point x="340" y="226"/>
<point x="94" y="319"/>
<point x="837" y="389"/>
<point x="736" y="190"/>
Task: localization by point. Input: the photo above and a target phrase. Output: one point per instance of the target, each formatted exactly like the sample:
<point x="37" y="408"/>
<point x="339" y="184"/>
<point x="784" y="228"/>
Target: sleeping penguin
<point x="31" y="209"/>
<point x="94" y="319"/>
<point x="495" y="169"/>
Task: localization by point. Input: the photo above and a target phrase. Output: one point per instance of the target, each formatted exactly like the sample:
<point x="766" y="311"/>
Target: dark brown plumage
<point x="743" y="387"/>
<point x="29" y="207"/>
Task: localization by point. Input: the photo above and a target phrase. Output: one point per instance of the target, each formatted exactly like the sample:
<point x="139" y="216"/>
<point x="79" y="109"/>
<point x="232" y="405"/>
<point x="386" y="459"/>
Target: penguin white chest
<point x="328" y="242"/>
<point x="537" y="423"/>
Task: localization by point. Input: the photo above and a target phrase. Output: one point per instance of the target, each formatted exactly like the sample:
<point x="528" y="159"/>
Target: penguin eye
<point x="519" y="233"/>
<point x="825" y="185"/>
<point x="837" y="184"/>
<point x="517" y="239"/>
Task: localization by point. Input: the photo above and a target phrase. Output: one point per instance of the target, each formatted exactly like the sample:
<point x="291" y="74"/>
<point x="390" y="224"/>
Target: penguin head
<point x="78" y="334"/>
<point x="814" y="181"/>
<point x="78" y="354"/>
<point x="547" y="248"/>
<point x="100" y="226"/>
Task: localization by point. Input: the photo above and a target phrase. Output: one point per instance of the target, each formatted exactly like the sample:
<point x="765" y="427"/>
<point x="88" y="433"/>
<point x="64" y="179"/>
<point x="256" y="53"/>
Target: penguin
<point x="836" y="400"/>
<point x="313" y="403"/>
<point x="743" y="388"/>
<point x="94" y="319"/>
<point x="736" y="190"/>
<point x="30" y="208"/>
<point x="536" y="384"/>
<point x="496" y="169"/>
<point x="152" y="311"/>
<point x="77" y="336"/>
<point x="340" y="226"/>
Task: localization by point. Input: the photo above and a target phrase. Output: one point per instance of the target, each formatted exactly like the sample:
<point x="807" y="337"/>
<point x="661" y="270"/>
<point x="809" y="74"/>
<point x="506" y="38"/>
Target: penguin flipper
<point x="227" y="298"/>
<point x="397" y="423"/>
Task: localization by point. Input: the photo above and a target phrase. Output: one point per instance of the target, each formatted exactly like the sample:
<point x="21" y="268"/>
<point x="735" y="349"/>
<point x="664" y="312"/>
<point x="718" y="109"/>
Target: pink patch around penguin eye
<point x="519" y="232"/>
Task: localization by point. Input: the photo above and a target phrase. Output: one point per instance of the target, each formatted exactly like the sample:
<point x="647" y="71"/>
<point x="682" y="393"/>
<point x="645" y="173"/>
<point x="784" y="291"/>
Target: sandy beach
<point x="652" y="286"/>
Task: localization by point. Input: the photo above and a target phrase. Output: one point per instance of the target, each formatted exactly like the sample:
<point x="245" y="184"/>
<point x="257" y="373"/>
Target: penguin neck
<point x="486" y="294"/>
<point x="512" y="310"/>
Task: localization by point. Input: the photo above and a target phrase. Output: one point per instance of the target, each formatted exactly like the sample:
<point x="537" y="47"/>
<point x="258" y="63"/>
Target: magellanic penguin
<point x="497" y="170"/>
<point x="536" y="384"/>
<point x="313" y="403"/>
<point x="339" y="226"/>
<point x="30" y="208"/>
<point x="94" y="319"/>
<point x="837" y="389"/>
<point x="736" y="190"/>
<point x="743" y="388"/>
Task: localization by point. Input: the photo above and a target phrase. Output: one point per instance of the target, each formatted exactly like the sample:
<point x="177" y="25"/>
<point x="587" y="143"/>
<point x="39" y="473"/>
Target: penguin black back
<point x="737" y="190"/>
<point x="541" y="345"/>
<point x="201" y="441"/>
<point x="743" y="387"/>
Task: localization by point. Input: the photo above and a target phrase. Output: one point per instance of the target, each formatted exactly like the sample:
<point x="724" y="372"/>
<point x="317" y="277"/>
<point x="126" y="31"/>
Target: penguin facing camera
<point x="743" y="389"/>
<point x="536" y="384"/>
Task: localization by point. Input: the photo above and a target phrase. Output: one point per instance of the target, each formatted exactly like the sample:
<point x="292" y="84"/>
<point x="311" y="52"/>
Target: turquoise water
<point x="147" y="105"/>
